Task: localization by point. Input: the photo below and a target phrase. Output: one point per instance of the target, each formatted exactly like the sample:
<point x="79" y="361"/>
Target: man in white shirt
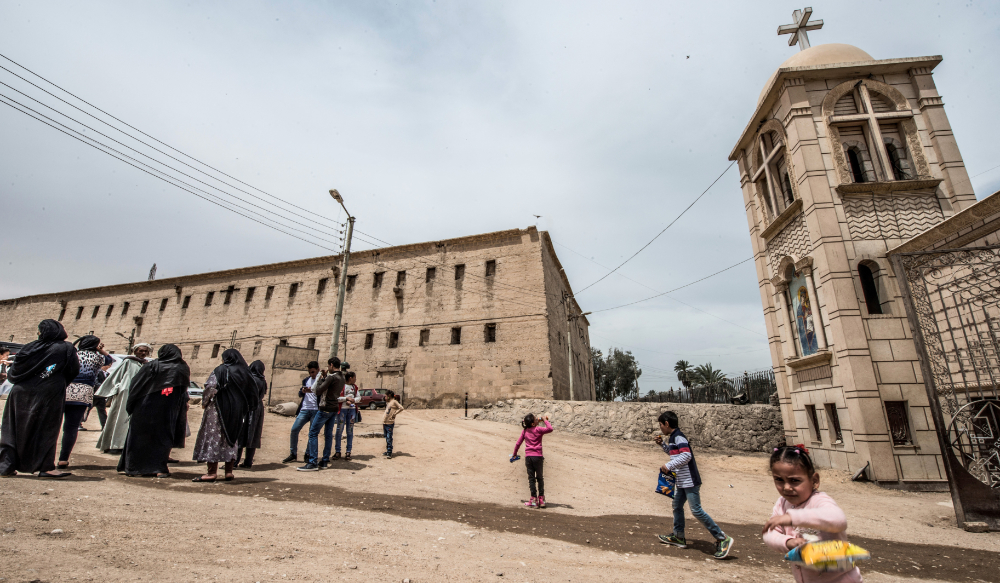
<point x="307" y="410"/>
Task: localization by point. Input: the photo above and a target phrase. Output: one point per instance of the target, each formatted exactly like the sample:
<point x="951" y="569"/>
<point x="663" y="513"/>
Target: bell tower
<point x="844" y="158"/>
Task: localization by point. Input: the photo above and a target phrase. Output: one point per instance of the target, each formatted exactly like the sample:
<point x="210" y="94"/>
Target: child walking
<point x="687" y="488"/>
<point x="392" y="408"/>
<point x="803" y="513"/>
<point x="531" y="436"/>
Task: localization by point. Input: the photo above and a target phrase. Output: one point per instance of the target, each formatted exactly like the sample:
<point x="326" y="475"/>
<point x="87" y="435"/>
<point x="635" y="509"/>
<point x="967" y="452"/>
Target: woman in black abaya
<point x="256" y="423"/>
<point x="229" y="395"/>
<point x="156" y="398"/>
<point x="30" y="427"/>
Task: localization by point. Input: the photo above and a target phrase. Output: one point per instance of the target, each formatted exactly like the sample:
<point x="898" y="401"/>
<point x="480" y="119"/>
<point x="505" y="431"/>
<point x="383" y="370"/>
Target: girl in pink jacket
<point x="803" y="513"/>
<point x="531" y="436"/>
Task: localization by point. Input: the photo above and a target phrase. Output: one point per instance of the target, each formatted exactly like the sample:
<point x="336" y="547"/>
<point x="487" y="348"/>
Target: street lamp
<point x="342" y="290"/>
<point x="130" y="340"/>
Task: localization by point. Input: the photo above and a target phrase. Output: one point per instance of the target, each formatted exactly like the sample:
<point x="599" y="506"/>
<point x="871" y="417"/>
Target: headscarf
<point x="257" y="371"/>
<point x="49" y="349"/>
<point x="88" y="342"/>
<point x="168" y="370"/>
<point x="236" y="397"/>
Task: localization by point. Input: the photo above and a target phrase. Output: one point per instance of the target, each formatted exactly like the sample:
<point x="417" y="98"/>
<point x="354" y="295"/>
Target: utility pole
<point x="569" y="345"/>
<point x="342" y="291"/>
<point x="130" y="338"/>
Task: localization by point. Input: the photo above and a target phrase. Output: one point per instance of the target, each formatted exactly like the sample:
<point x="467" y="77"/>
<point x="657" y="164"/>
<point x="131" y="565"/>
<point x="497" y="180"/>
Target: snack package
<point x="665" y="485"/>
<point x="827" y="555"/>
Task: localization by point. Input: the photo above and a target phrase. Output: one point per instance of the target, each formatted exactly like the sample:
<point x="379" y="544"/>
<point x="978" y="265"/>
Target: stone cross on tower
<point x="799" y="29"/>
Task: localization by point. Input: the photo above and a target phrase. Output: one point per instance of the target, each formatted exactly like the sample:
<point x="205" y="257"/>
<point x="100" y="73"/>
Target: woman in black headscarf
<point x="156" y="398"/>
<point x="255" y="427"/>
<point x="30" y="427"/>
<point x="229" y="394"/>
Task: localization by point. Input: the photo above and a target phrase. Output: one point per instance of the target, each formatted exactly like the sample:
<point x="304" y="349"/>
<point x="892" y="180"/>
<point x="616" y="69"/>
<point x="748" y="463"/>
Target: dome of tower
<point x="828" y="54"/>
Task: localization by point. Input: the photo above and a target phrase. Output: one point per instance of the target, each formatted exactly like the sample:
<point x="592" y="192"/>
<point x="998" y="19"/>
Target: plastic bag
<point x="666" y="483"/>
<point x="827" y="555"/>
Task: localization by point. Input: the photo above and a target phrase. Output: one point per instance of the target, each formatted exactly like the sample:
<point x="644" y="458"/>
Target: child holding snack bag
<point x="804" y="515"/>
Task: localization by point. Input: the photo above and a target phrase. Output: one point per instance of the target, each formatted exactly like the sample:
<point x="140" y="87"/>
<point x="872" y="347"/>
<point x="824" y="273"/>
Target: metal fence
<point x="746" y="389"/>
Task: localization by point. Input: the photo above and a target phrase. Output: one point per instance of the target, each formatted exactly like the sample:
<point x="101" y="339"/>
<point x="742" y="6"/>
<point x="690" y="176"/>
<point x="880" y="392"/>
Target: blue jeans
<point x="322" y="420"/>
<point x="345" y="417"/>
<point x="303" y="418"/>
<point x="387" y="430"/>
<point x="693" y="498"/>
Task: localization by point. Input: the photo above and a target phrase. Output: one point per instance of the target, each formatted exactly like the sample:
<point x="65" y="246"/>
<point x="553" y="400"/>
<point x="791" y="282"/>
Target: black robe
<point x="31" y="421"/>
<point x="255" y="427"/>
<point x="237" y="392"/>
<point x="156" y="401"/>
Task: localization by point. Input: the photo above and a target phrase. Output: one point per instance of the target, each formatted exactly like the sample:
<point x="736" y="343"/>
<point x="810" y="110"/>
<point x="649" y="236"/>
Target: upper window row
<point x="871" y="135"/>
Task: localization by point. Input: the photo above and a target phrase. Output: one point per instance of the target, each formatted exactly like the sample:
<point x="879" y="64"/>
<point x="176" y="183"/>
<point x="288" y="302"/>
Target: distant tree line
<point x="616" y="376"/>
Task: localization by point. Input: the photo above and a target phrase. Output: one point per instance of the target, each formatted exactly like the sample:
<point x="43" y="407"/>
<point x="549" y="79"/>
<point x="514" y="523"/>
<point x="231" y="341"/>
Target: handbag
<point x="666" y="483"/>
<point x="357" y="415"/>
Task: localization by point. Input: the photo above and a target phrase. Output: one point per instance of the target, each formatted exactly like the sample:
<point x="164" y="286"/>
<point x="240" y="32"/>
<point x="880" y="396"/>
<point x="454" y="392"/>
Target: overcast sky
<point x="445" y="119"/>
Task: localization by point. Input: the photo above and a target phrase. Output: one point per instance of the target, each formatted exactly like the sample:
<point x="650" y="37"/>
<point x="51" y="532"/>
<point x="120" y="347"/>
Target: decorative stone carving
<point x="891" y="217"/>
<point x="792" y="241"/>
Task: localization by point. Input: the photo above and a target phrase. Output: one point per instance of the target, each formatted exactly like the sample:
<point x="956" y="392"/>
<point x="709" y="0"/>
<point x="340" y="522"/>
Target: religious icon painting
<point x="805" y="323"/>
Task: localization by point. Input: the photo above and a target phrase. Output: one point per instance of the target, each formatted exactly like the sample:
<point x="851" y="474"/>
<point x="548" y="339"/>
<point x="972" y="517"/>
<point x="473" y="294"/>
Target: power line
<point x="661" y="232"/>
<point x="150" y="137"/>
<point x="677" y="353"/>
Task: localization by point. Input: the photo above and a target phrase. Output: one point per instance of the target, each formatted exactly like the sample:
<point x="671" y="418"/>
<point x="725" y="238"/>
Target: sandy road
<point x="448" y="508"/>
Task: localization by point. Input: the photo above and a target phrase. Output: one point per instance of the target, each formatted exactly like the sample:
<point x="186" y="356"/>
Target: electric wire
<point x="676" y="288"/>
<point x="620" y="265"/>
<point x="150" y="137"/>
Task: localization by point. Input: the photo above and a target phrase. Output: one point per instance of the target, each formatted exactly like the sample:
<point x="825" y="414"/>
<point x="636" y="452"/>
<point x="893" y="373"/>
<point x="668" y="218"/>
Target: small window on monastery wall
<point x="899" y="422"/>
<point x="459" y="272"/>
<point x="215" y="350"/>
<point x="229" y="295"/>
<point x="249" y="298"/>
<point x="456" y="335"/>
<point x="209" y="297"/>
<point x="79" y="312"/>
<point x="62" y="313"/>
<point x="96" y="310"/>
<point x="321" y="286"/>
<point x="393" y="339"/>
<point x="124" y="308"/>
<point x="351" y="280"/>
<point x="425" y="337"/>
<point x="163" y="304"/>
<point x="311" y="344"/>
<point x="369" y="341"/>
<point x="491" y="268"/>
<point x="283" y="342"/>
<point x="377" y="280"/>
<point x="813" y="423"/>
<point x="269" y="293"/>
<point x="293" y="289"/>
<point x="187" y="302"/>
<point x="145" y="306"/>
<point x="836" y="435"/>
<point x="194" y="351"/>
<point x="490" y="333"/>
<point x="431" y="274"/>
<point x="400" y="278"/>
<point x="111" y="307"/>
<point x="256" y="347"/>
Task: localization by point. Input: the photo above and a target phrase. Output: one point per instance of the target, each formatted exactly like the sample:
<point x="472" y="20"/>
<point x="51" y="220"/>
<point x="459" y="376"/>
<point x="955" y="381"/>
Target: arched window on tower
<point x="872" y="133"/>
<point x="771" y="174"/>
<point x="870" y="288"/>
<point x="901" y="169"/>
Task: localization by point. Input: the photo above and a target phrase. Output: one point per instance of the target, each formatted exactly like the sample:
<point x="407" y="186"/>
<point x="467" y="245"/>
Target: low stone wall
<point x="730" y="427"/>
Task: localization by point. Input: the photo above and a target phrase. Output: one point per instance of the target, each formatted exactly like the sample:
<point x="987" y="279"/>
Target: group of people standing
<point x="55" y="382"/>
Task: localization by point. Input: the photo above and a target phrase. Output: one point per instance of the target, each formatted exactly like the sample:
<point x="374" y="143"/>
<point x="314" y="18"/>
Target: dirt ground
<point x="448" y="507"/>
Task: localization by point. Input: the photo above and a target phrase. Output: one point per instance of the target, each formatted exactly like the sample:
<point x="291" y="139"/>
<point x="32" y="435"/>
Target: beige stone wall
<point x="438" y="374"/>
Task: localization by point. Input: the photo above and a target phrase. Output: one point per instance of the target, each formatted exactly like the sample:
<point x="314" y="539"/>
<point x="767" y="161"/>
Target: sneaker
<point x="324" y="464"/>
<point x="723" y="547"/>
<point x="533" y="503"/>
<point x="673" y="540"/>
<point x="347" y="457"/>
<point x="308" y="468"/>
<point x="541" y="501"/>
<point x="290" y="459"/>
<point x="336" y="456"/>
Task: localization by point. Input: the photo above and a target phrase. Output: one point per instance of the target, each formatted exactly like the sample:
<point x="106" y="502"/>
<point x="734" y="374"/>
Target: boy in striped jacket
<point x="687" y="487"/>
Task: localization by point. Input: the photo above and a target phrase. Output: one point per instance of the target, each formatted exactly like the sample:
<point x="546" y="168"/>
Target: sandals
<point x="347" y="457"/>
<point x="201" y="479"/>
<point x="61" y="466"/>
<point x="48" y="475"/>
<point x="230" y="477"/>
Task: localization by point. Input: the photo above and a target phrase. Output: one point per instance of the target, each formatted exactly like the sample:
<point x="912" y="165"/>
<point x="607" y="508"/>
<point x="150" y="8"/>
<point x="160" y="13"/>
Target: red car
<point x="370" y="399"/>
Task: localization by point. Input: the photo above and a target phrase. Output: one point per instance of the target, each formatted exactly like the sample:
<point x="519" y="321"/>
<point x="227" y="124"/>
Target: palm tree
<point x="705" y="374"/>
<point x="684" y="373"/>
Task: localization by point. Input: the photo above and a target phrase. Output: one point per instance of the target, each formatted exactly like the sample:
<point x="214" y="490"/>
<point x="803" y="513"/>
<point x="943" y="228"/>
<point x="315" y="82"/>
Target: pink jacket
<point x="819" y="515"/>
<point x="532" y="438"/>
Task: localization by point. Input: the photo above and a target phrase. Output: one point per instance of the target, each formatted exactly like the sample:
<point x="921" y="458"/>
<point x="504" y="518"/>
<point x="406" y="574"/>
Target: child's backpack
<point x="666" y="483"/>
